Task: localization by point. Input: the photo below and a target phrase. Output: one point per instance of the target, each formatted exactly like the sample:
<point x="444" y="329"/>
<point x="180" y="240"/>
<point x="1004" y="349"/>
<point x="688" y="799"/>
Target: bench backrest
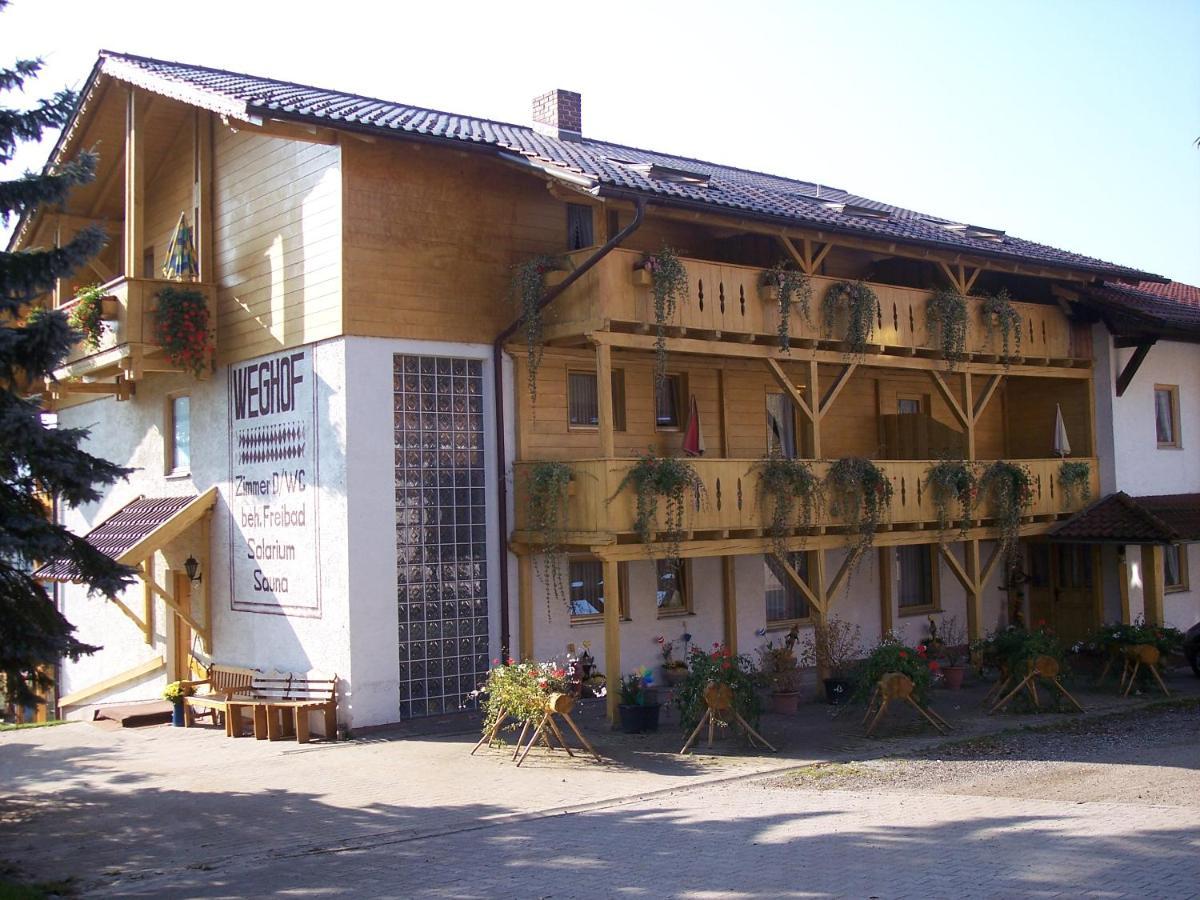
<point x="315" y="687"/>
<point x="223" y="678"/>
<point x="272" y="685"/>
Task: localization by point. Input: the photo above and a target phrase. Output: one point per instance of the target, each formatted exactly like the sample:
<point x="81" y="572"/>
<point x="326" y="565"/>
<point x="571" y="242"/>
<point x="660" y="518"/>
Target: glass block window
<point x="441" y="539"/>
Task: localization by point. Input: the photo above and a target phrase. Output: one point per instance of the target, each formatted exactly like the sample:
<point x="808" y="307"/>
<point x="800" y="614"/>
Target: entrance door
<point x="182" y="643"/>
<point x="1062" y="588"/>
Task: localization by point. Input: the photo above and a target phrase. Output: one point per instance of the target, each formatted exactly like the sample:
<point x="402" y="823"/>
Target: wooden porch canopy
<point x="132" y="536"/>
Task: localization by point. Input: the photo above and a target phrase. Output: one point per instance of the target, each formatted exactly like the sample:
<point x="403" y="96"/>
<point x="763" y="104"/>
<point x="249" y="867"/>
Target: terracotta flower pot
<point x="954" y="676"/>
<point x="675" y="675"/>
<point x="785" y="703"/>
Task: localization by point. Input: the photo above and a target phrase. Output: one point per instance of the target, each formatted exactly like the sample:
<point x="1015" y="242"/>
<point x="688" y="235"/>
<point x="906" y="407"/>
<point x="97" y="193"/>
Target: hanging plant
<point x="1075" y="479"/>
<point x="999" y="312"/>
<point x="792" y="289"/>
<point x="528" y="287"/>
<point x="181" y="329"/>
<point x="948" y="311"/>
<point x="87" y="315"/>
<point x="1009" y="488"/>
<point x="862" y="308"/>
<point x="547" y="491"/>
<point x="953" y="481"/>
<point x="668" y="285"/>
<point x="671" y="479"/>
<point x="862" y="494"/>
<point x="789" y="487"/>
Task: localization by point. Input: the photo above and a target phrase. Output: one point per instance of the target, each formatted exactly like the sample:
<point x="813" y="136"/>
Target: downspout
<point x="498" y="389"/>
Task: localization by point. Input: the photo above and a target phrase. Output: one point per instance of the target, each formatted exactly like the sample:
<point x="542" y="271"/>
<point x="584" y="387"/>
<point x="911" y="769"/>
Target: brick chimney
<point x="558" y="113"/>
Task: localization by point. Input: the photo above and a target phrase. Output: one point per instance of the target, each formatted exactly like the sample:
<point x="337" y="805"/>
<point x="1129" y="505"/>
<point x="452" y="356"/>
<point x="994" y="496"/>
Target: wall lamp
<point x="191" y="566"/>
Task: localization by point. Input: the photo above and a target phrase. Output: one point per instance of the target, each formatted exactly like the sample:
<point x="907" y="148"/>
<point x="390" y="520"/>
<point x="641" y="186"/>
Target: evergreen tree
<point x="37" y="460"/>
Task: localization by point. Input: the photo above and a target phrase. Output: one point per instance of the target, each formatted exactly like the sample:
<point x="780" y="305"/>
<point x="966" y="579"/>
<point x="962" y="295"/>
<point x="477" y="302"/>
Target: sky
<point x="1069" y="122"/>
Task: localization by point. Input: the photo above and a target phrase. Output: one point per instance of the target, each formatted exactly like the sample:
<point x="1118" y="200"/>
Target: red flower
<point x="903" y="654"/>
<point x="933" y="665"/>
<point x="495" y="662"/>
<point x="725" y="665"/>
<point x="921" y="649"/>
<point x="1041" y="622"/>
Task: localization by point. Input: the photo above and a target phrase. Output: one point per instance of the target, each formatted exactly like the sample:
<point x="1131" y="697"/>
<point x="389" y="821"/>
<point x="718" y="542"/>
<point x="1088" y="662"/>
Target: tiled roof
<point x="1149" y="307"/>
<point x="608" y="169"/>
<point x="120" y="532"/>
<point x="1119" y="518"/>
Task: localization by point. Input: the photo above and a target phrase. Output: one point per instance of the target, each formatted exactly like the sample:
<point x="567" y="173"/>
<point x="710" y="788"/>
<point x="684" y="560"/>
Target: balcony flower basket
<point x="547" y="489"/>
<point x="1009" y="489"/>
<point x="862" y="311"/>
<point x="953" y="482"/>
<point x="88" y="315"/>
<point x="788" y="288"/>
<point x="861" y="493"/>
<point x="668" y="285"/>
<point x="792" y="493"/>
<point x="667" y="478"/>
<point x="527" y="290"/>
<point x="947" y="311"/>
<point x="999" y="313"/>
<point x="1075" y="482"/>
<point x="181" y="328"/>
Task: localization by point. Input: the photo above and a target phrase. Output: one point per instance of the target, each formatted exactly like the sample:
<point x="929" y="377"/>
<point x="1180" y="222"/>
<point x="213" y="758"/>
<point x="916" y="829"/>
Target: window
<point x="583" y="409"/>
<point x="1166" y="414"/>
<point x="179" y="435"/>
<point x="585" y="576"/>
<point x="672" y="592"/>
<point x="1175" y="567"/>
<point x="781" y="426"/>
<point x="785" y="602"/>
<point x="918" y="585"/>
<point x="908" y="406"/>
<point x="668" y="402"/>
<point x="579" y="226"/>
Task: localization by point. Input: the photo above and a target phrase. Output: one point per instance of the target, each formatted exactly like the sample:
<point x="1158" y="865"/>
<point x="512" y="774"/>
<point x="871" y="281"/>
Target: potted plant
<point x="670" y="478"/>
<point x="891" y="655"/>
<point x="668" y="285"/>
<point x="639" y="706"/>
<point x="833" y="647"/>
<point x="780" y="673"/>
<point x="548" y="485"/>
<point x="720" y="667"/>
<point x="861" y="307"/>
<point x="674" y="670"/>
<point x="88" y="315"/>
<point x="174" y="694"/>
<point x="952" y="650"/>
<point x="181" y="329"/>
<point x="527" y="290"/>
<point x="787" y="287"/>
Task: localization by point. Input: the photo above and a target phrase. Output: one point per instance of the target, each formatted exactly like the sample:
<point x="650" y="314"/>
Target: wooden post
<point x="206" y="636"/>
<point x="729" y="597"/>
<point x="814" y="403"/>
<point x="135" y="174"/>
<point x="612" y="636"/>
<point x="974" y="594"/>
<point x="969" y="408"/>
<point x="1152" y="583"/>
<point x="148" y="601"/>
<point x="525" y="607"/>
<point x="1123" y="586"/>
<point x="604" y="400"/>
<point x="203" y="207"/>
<point x="887" y="589"/>
<point x="724" y="415"/>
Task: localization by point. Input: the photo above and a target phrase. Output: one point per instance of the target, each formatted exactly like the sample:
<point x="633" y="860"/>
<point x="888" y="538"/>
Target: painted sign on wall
<point x="274" y="484"/>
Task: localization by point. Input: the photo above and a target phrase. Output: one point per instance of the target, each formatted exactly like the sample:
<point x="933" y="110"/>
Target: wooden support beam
<point x="970" y="282"/>
<point x="839" y="579"/>
<point x="723" y="412"/>
<point x="820" y="258"/>
<point x="799" y="583"/>
<point x="967" y="581"/>
<point x="612" y="636"/>
<point x="784" y="382"/>
<point x="1123" y="586"/>
<point x="951" y="276"/>
<point x="836" y="388"/>
<point x="968" y="406"/>
<point x="1152" y="583"/>
<point x="525" y="607"/>
<point x="148" y="599"/>
<point x="990" y="566"/>
<point x="133" y="617"/>
<point x="202" y="199"/>
<point x="803" y="259"/>
<point x="1135" y="363"/>
<point x="729" y="602"/>
<point x="135" y="176"/>
<point x="974" y="594"/>
<point x="816" y="571"/>
<point x="814" y="394"/>
<point x="887" y="589"/>
<point x="604" y="400"/>
<point x="172" y="603"/>
<point x="149" y="667"/>
<point x="984" y="398"/>
<point x="948" y="396"/>
<point x="206" y="636"/>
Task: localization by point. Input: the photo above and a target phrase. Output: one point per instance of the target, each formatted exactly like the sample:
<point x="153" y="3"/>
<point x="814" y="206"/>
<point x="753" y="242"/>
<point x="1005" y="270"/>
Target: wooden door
<point x="182" y="641"/>
<point x="1062" y="589"/>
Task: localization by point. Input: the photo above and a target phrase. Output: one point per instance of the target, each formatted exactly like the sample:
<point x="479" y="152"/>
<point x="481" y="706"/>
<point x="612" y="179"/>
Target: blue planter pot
<point x="177" y="715"/>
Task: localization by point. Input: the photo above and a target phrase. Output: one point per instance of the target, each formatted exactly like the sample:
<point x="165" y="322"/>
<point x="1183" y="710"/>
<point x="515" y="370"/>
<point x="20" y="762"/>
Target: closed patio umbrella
<point x="1062" y="446"/>
<point x="181" y="253"/>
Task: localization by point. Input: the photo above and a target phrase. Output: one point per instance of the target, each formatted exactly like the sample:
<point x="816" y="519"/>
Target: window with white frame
<point x="178" y="435"/>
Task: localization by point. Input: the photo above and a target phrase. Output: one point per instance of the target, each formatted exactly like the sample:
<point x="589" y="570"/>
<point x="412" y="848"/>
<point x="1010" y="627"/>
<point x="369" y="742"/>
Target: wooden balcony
<point x="127" y="347"/>
<point x="730" y="503"/>
<point x="725" y="303"/>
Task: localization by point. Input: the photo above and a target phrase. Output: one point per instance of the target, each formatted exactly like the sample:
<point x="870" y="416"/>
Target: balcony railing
<point x="128" y="339"/>
<point x="725" y="301"/>
<point x="730" y="500"/>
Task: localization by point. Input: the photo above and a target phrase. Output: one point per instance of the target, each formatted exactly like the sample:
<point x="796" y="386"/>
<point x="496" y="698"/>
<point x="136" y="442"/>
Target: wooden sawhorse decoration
<point x="1046" y="667"/>
<point x="549" y="732"/>
<point x="718" y="699"/>
<point x="1137" y="656"/>
<point x="898" y="686"/>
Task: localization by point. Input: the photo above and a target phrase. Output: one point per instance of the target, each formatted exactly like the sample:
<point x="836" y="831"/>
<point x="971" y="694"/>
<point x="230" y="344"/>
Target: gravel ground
<point x="1147" y="757"/>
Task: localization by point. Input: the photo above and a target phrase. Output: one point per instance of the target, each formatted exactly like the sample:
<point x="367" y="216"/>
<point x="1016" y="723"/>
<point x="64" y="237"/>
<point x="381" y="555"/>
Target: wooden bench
<point x="281" y="704"/>
<point x="221" y="683"/>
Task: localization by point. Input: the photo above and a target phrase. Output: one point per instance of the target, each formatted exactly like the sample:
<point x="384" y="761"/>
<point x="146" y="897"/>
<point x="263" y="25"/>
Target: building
<point x="354" y="487"/>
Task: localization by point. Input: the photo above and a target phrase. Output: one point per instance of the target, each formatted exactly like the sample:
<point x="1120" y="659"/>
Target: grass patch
<point x="821" y="772"/>
<point x="12" y="888"/>
<point x="24" y="725"/>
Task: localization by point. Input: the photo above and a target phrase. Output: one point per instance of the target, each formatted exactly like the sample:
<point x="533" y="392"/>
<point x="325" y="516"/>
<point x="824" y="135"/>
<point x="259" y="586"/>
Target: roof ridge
<point x="1133" y="505"/>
